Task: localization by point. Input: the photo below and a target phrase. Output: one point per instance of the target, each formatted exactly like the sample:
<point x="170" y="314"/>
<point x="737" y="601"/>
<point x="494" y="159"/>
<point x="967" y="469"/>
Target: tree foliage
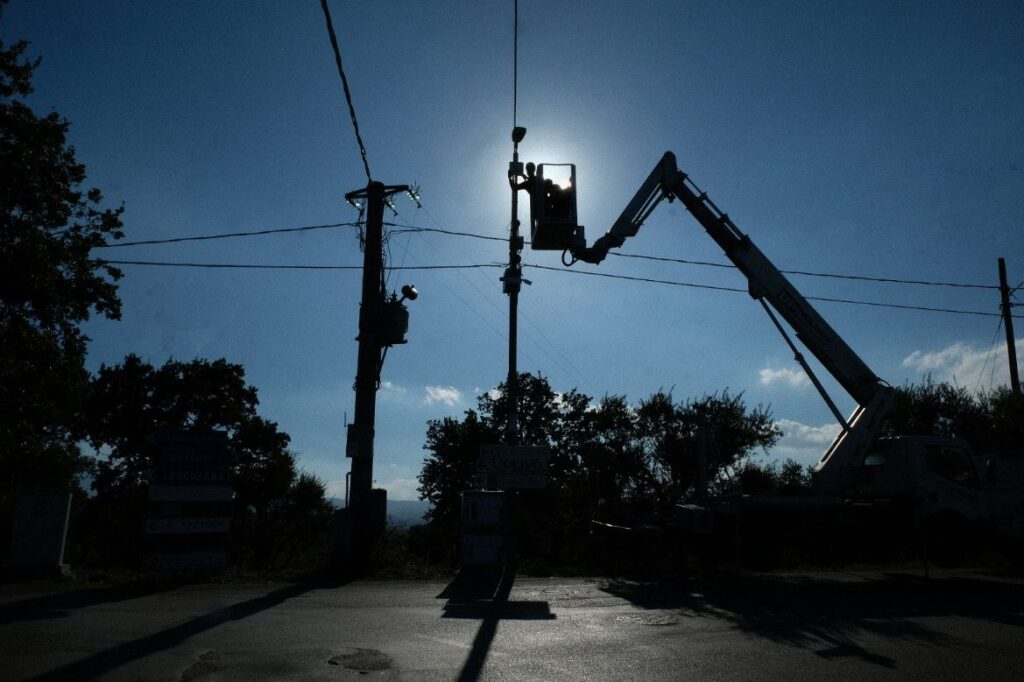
<point x="48" y="224"/>
<point x="991" y="421"/>
<point x="609" y="459"/>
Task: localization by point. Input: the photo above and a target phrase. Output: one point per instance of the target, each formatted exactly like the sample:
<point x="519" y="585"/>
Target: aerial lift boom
<point x="770" y="287"/>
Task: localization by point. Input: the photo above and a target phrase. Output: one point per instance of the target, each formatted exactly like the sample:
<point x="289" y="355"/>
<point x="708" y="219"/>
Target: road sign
<point x="512" y="467"/>
<point x="498" y="460"/>
<point x="190" y="500"/>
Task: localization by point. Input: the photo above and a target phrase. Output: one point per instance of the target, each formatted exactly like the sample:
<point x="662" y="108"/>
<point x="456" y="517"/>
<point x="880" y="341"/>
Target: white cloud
<point x="446" y="395"/>
<point x="796" y="434"/>
<point x="789" y="377"/>
<point x="393" y="388"/>
<point x="802" y="442"/>
<point x="965" y="365"/>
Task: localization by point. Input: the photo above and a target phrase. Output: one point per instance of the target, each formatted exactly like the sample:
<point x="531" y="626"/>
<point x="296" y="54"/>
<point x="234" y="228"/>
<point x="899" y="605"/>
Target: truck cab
<point x="939" y="474"/>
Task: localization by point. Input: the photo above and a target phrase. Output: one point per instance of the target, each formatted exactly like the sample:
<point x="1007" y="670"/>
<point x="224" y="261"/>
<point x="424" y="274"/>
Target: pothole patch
<point x="647" y="619"/>
<point x="361" y="660"/>
<point x="206" y="665"/>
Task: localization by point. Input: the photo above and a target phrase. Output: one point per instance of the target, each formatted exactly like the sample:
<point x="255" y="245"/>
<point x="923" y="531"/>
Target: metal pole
<point x="1011" y="348"/>
<point x="513" y="279"/>
<point x="368" y="364"/>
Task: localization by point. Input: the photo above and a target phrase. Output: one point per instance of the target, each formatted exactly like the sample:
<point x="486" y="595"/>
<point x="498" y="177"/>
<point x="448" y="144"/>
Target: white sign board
<point x="506" y="459"/>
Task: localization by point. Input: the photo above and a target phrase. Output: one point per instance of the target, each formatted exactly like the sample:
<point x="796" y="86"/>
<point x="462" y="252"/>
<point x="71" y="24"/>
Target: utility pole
<point x="1011" y="344"/>
<point x="512" y="282"/>
<point x="378" y="328"/>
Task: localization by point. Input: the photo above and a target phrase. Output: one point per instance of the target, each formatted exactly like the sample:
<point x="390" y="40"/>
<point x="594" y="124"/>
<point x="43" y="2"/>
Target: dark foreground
<point x="803" y="627"/>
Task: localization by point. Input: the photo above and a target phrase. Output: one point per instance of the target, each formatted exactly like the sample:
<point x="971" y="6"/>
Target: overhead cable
<point x="344" y="85"/>
<point x="991" y="356"/>
<point x="258" y="266"/>
<point x="471" y="266"/>
<point x="406" y="228"/>
<point x="226" y="235"/>
<point x="683" y="261"/>
<point x="454" y="233"/>
<point x="515" y="62"/>
<point x="732" y="289"/>
<point x="806" y="273"/>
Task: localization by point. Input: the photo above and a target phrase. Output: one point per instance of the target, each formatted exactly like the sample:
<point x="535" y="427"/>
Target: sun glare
<point x="559" y="173"/>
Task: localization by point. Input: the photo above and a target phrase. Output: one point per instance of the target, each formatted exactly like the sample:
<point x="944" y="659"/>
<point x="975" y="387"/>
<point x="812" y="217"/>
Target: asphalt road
<point x="826" y="626"/>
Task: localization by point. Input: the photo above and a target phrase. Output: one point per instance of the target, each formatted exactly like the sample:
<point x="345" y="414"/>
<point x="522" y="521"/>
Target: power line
<point x="863" y="278"/>
<point x="515" y="63"/>
<point x="732" y="289"/>
<point x="637" y="279"/>
<point x="227" y="235"/>
<point x="472" y="266"/>
<point x="406" y="228"/>
<point x="454" y="233"/>
<point x="257" y="266"/>
<point x="990" y="356"/>
<point x="683" y="261"/>
<point x="344" y="85"/>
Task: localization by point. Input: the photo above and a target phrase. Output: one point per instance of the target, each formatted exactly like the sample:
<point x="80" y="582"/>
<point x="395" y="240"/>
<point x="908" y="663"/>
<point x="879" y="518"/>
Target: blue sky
<point x="866" y="138"/>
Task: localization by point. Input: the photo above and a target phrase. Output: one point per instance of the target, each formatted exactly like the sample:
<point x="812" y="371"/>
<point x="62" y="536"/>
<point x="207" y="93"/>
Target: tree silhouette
<point x="275" y="506"/>
<point x="991" y="421"/>
<point x="609" y="460"/>
<point x="48" y="224"/>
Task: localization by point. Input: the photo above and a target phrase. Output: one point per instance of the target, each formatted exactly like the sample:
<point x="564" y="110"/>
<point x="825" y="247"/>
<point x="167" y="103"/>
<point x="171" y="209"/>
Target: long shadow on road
<point x="103" y="662"/>
<point x="483" y="595"/>
<point x="62" y="604"/>
<point x="830" y="616"/>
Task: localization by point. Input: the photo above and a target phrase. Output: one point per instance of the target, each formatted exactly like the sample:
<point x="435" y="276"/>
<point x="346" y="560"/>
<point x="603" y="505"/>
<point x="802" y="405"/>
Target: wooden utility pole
<point x="368" y="362"/>
<point x="367" y="508"/>
<point x="1011" y="347"/>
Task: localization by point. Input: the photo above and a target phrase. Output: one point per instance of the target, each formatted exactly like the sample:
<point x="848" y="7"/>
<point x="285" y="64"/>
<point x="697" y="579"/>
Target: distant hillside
<point x="400" y="512"/>
<point x="406" y="512"/>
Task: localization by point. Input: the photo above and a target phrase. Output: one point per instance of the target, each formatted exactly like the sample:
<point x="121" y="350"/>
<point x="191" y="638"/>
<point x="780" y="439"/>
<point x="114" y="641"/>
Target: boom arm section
<point x="765" y="284"/>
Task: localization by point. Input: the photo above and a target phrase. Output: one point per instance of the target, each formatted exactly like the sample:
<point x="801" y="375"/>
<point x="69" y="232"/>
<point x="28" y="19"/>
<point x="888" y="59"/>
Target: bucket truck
<point x="934" y="476"/>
